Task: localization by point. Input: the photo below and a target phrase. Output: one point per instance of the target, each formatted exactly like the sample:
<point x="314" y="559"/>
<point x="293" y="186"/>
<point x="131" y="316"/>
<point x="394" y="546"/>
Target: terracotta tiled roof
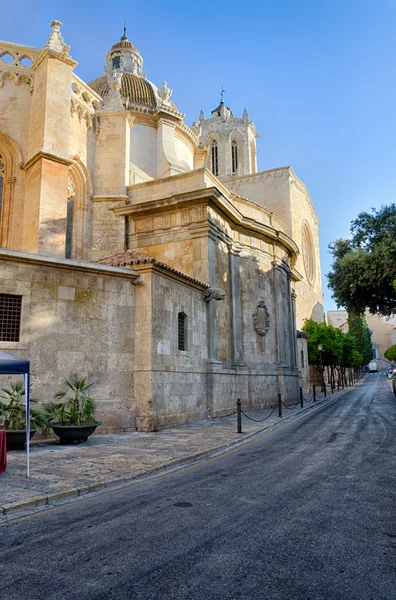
<point x="131" y="257"/>
<point x="133" y="87"/>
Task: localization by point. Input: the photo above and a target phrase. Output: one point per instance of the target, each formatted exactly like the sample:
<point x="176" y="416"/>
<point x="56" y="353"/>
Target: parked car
<point x="389" y="372"/>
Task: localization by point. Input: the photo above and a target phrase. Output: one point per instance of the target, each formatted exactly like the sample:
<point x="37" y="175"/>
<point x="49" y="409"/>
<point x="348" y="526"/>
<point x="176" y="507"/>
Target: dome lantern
<point x="125" y="57"/>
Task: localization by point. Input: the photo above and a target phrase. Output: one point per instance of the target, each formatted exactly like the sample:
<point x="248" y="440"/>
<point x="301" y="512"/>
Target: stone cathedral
<point x="145" y="254"/>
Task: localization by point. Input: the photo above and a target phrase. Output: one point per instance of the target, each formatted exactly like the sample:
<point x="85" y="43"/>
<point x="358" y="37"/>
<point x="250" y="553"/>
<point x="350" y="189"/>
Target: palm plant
<point x="76" y="408"/>
<point x="13" y="411"/>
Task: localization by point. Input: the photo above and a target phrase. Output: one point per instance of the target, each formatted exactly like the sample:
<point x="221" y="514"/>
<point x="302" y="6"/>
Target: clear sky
<point x="316" y="76"/>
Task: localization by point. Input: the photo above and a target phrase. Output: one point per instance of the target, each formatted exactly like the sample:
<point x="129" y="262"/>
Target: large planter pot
<point x="16" y="439"/>
<point x="74" y="434"/>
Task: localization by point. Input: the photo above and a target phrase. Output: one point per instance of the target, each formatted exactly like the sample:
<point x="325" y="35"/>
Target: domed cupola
<point x="124" y="57"/>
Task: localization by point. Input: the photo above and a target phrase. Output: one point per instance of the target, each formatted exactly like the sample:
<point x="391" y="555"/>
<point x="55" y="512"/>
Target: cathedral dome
<point x="123" y="44"/>
<point x="136" y="89"/>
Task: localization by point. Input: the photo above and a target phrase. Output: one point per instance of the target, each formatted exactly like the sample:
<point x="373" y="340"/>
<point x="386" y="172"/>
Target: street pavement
<point x="305" y="512"/>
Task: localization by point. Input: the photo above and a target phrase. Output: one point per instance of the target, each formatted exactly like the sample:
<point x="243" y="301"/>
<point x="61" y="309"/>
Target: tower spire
<point x="222" y="95"/>
<point x="124" y="37"/>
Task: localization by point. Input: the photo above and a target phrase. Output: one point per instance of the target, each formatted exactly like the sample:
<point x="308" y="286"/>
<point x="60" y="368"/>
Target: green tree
<point x="330" y="339"/>
<point x="358" y="329"/>
<point x="390" y="353"/>
<point x="363" y="274"/>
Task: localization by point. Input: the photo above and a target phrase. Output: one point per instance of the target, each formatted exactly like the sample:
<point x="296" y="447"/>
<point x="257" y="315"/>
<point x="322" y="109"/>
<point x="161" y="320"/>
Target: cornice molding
<point x="213" y="198"/>
<point x="64" y="263"/>
<point x="48" y="53"/>
<point x="47" y="156"/>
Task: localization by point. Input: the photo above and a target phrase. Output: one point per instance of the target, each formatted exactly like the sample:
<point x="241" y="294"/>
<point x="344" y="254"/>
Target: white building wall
<point x="143" y="149"/>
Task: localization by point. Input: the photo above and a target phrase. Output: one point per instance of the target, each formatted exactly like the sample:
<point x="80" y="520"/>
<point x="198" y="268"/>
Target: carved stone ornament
<point x="214" y="294"/>
<point x="56" y="41"/>
<point x="112" y="102"/>
<point x="261" y="319"/>
<point x="164" y="92"/>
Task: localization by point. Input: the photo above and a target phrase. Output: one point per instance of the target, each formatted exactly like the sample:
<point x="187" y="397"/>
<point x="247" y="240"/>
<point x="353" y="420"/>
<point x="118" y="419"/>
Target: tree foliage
<point x="339" y="349"/>
<point x="329" y="338"/>
<point x="363" y="273"/>
<point x="390" y="353"/>
<point x="358" y="329"/>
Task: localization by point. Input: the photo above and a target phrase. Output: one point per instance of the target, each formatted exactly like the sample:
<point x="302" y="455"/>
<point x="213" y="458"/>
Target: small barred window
<point x="181" y="331"/>
<point x="10" y="317"/>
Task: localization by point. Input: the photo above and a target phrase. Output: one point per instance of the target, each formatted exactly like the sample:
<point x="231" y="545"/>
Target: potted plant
<point x="13" y="415"/>
<point x="72" y="419"/>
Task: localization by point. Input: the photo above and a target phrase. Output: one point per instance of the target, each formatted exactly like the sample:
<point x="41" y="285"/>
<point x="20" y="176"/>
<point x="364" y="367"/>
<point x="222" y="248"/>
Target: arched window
<point x="2" y="176"/>
<point x="116" y="63"/>
<point x="234" y="157"/>
<point x="181" y="331"/>
<point x="214" y="158"/>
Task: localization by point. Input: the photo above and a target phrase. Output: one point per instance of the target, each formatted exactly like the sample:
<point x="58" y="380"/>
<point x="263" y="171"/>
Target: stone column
<point x="143" y="355"/>
<point x="212" y="321"/>
<point x="48" y="154"/>
<point x="111" y="178"/>
<point x="236" y="303"/>
<point x="279" y="310"/>
<point x="293" y="297"/>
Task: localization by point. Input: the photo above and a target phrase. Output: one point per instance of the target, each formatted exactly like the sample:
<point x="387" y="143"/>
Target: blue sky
<point x="317" y="77"/>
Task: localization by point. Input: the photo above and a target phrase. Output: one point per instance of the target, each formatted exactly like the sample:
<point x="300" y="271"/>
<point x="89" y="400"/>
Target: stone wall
<point x="309" y="290"/>
<point x="179" y="376"/>
<point x="76" y="317"/>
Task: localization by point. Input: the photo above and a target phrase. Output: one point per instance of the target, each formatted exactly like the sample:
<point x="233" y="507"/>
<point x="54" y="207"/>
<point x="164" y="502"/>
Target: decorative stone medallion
<point x="261" y="319"/>
<point x="308" y="252"/>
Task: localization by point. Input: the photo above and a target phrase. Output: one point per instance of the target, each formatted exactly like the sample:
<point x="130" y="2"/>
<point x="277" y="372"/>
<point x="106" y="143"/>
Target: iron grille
<point x="181" y="331"/>
<point x="10" y="317"/>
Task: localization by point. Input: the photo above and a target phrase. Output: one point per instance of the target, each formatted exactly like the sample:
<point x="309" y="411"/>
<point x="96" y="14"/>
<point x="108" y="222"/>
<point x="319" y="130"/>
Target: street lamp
<point x="320" y="348"/>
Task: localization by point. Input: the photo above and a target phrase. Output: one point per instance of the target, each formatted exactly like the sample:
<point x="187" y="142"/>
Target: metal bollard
<point x="332" y="388"/>
<point x="280" y="405"/>
<point x="338" y="385"/>
<point x="301" y="398"/>
<point x="314" y="393"/>
<point x="324" y="389"/>
<point x="239" y="416"/>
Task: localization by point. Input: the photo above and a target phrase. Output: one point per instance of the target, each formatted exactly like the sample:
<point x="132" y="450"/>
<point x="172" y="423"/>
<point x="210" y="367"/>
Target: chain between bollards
<point x="239" y="416"/>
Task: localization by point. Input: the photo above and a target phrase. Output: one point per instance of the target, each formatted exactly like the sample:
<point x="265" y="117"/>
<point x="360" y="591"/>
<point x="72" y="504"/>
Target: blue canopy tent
<point x="15" y="365"/>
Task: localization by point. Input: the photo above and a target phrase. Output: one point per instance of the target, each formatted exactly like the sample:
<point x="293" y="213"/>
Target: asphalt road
<point x="307" y="512"/>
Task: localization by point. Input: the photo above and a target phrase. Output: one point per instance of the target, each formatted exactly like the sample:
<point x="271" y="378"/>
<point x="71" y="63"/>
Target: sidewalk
<point x="61" y="472"/>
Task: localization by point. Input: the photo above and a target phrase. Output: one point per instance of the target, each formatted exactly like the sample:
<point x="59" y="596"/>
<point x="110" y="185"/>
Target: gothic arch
<point x="12" y="177"/>
<point x="80" y="190"/>
<point x="237" y="153"/>
<point x="214" y="154"/>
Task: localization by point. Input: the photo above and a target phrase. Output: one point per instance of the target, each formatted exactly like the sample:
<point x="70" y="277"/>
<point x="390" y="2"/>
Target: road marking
<point x="176" y="470"/>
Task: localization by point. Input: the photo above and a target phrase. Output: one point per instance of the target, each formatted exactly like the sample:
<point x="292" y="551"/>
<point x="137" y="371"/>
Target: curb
<point x="174" y="465"/>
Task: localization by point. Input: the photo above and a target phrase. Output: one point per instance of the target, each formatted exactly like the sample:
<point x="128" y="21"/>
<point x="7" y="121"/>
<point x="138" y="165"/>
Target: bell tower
<point x="231" y="141"/>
